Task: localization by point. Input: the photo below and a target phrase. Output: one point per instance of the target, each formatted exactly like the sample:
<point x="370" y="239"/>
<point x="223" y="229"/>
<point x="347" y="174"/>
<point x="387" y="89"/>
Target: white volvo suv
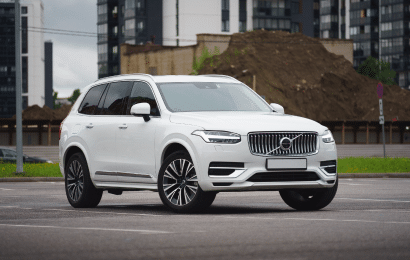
<point x="190" y="137"/>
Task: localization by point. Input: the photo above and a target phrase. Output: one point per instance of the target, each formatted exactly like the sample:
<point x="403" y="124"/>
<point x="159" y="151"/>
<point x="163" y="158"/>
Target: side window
<point x="90" y="101"/>
<point x="116" y="98"/>
<point x="1" y="153"/>
<point x="142" y="93"/>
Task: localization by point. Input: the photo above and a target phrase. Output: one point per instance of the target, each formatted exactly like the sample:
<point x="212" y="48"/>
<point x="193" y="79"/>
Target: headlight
<point x="218" y="136"/>
<point x="328" y="137"/>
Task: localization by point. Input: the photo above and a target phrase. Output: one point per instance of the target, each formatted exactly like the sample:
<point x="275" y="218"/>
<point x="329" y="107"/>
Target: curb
<point x="340" y="175"/>
<point x="374" y="175"/>
<point x="32" y="179"/>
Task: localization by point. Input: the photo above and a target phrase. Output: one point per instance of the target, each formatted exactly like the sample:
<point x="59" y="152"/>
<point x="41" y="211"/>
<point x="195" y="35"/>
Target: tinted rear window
<point x="90" y="101"/>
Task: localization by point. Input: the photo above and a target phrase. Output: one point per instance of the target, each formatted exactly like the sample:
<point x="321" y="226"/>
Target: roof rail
<point x="218" y="75"/>
<point x="149" y="75"/>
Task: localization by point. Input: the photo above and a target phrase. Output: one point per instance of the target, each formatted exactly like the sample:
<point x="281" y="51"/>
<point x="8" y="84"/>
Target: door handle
<point x="89" y="126"/>
<point x="123" y="126"/>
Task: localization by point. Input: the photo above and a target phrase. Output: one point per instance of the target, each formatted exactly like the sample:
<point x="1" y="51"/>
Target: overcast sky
<point x="74" y="57"/>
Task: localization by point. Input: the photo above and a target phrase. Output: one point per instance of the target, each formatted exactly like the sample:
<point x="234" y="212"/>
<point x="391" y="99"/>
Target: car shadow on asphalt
<point x="213" y="210"/>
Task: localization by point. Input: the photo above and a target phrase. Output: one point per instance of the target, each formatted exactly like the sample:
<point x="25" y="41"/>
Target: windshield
<point x="210" y="96"/>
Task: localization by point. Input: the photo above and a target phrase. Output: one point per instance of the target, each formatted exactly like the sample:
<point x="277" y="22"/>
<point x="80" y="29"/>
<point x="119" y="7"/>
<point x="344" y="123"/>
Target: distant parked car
<point x="9" y="155"/>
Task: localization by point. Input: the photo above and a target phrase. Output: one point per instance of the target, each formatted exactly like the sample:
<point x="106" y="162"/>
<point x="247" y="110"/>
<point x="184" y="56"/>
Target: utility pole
<point x="19" y="101"/>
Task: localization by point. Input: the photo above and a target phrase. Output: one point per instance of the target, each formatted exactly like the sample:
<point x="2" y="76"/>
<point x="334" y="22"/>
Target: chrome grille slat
<point x="263" y="143"/>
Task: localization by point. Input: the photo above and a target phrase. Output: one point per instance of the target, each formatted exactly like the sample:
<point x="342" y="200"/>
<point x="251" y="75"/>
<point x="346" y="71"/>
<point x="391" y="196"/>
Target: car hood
<point x="245" y="122"/>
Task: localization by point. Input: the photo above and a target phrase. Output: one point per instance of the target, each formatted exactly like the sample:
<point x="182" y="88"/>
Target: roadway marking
<point x="5" y="189"/>
<point x="353" y="184"/>
<point x="323" y="219"/>
<point x="405" y="201"/>
<point x="106" y="212"/>
<point x="98" y="229"/>
<point x="9" y="206"/>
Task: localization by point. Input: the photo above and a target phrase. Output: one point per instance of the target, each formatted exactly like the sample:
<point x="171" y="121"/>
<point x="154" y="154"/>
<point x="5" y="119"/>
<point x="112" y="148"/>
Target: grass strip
<point x="373" y="165"/>
<point x="345" y="165"/>
<point x="30" y="170"/>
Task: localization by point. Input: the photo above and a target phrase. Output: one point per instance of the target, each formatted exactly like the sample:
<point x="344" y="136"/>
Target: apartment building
<point x="32" y="56"/>
<point x="379" y="28"/>
<point x="177" y="22"/>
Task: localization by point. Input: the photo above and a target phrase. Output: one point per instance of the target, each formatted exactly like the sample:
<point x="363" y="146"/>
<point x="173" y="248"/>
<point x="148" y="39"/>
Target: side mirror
<point x="141" y="109"/>
<point x="278" y="108"/>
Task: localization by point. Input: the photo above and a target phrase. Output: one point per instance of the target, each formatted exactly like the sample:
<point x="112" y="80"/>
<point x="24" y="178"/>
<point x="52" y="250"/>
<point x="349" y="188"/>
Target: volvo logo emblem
<point x="285" y="143"/>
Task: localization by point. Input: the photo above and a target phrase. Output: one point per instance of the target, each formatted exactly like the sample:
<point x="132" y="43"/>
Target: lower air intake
<point x="283" y="176"/>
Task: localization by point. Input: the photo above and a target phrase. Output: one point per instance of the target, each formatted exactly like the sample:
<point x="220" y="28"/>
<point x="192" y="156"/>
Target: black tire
<point x="79" y="188"/>
<point x="179" y="189"/>
<point x="309" y="199"/>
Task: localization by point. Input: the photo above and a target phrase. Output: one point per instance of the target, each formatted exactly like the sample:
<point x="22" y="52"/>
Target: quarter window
<point x="90" y="101"/>
<point x="142" y="93"/>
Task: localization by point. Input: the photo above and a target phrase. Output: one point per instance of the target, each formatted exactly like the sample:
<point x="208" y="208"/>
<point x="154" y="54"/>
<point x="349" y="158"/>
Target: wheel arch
<point x="75" y="148"/>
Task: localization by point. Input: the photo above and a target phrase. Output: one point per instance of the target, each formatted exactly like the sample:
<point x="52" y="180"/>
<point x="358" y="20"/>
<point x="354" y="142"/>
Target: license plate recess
<point x="286" y="164"/>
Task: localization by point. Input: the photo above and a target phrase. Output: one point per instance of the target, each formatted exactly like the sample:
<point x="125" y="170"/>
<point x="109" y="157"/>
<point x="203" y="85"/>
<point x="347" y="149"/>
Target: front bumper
<point x="253" y="164"/>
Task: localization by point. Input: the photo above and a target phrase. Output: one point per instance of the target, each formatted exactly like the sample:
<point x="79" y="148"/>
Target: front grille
<point x="283" y="176"/>
<point x="269" y="143"/>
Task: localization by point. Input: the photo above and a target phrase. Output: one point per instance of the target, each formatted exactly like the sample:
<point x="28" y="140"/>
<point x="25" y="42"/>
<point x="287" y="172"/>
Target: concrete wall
<point x="339" y="47"/>
<point x="169" y="61"/>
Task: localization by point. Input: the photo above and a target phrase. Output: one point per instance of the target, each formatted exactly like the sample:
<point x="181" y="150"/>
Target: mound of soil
<point x="297" y="72"/>
<point x="45" y="113"/>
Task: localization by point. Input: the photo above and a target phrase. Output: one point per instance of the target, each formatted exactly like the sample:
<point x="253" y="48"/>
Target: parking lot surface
<point x="368" y="219"/>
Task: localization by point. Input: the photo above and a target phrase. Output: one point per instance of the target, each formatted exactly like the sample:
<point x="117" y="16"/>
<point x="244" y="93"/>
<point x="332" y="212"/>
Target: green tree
<point x="55" y="105"/>
<point x="379" y="70"/>
<point x="74" y="96"/>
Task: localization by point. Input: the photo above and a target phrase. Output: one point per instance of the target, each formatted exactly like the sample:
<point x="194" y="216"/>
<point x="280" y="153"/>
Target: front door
<point x="135" y="139"/>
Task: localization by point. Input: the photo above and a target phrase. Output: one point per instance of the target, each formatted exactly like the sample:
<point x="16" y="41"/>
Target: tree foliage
<point x="55" y="105"/>
<point x="74" y="96"/>
<point x="379" y="70"/>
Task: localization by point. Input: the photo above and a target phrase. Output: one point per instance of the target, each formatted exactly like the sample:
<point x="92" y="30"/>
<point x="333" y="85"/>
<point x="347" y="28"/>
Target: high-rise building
<point x="32" y="56"/>
<point x="125" y="21"/>
<point x="359" y="20"/>
<point x="177" y="22"/>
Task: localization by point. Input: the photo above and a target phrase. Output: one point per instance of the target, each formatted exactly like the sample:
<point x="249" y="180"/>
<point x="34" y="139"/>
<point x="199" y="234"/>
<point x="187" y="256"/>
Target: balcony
<point x="389" y="2"/>
<point x="392" y="17"/>
<point x="392" y="33"/>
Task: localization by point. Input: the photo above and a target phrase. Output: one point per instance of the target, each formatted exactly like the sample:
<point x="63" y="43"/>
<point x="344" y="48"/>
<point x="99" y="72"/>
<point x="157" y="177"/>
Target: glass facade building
<point x="359" y="20"/>
<point x="7" y="61"/>
<point x="125" y="21"/>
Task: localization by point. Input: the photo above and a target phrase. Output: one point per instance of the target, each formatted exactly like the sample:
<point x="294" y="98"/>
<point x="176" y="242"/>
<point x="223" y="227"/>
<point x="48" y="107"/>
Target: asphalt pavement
<point x="368" y="219"/>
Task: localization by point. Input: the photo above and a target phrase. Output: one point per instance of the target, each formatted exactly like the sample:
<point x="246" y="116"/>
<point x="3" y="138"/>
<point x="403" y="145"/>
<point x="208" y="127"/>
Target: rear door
<point x="106" y="123"/>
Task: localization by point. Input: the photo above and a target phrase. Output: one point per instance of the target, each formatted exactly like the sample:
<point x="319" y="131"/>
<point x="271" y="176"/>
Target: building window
<point x="225" y="15"/>
<point x="102" y="69"/>
<point x="115" y="12"/>
<point x="25" y="102"/>
<point x="114" y="52"/>
<point x="24" y="10"/>
<point x="24" y="74"/>
<point x="294" y="28"/>
<point x="225" y="5"/>
<point x="102" y="32"/>
<point x="177" y="19"/>
<point x="129" y="4"/>
<point x="295" y="8"/>
<point x="102" y="52"/>
<point x="225" y="26"/>
<point x="24" y="36"/>
<point x="242" y="15"/>
<point x="242" y="26"/>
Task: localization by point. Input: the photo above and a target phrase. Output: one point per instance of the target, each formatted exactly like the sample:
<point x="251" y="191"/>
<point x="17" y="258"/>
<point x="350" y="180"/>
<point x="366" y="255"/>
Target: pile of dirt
<point x="45" y="113"/>
<point x="297" y="72"/>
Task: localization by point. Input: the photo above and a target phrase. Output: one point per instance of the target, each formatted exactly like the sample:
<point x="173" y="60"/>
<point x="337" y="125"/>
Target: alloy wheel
<point x="180" y="183"/>
<point x="75" y="180"/>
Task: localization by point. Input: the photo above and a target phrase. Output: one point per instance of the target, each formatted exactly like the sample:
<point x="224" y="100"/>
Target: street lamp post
<point x="19" y="108"/>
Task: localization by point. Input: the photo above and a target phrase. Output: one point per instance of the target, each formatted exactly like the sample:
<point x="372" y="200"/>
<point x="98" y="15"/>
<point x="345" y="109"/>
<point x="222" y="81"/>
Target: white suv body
<point x="251" y="149"/>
